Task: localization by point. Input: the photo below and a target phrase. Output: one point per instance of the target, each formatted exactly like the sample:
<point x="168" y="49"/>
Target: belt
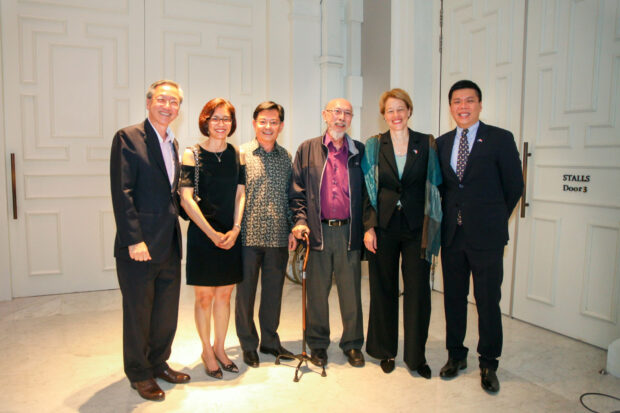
<point x="336" y="222"/>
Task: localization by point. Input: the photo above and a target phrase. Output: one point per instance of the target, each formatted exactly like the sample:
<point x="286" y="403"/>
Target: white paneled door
<point x="483" y="41"/>
<point x="568" y="252"/>
<point x="213" y="49"/>
<point x="73" y="74"/>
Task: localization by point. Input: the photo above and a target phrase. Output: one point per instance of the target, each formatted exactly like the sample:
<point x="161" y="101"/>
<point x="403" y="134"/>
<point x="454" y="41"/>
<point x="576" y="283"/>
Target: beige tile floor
<point x="63" y="354"/>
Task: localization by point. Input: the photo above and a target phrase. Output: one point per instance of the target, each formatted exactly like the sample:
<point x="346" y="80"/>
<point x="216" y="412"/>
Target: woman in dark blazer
<point x="402" y="216"/>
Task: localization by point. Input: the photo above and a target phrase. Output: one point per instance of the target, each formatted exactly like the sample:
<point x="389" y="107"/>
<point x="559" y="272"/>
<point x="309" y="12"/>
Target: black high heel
<point x="216" y="374"/>
<point x="232" y="367"/>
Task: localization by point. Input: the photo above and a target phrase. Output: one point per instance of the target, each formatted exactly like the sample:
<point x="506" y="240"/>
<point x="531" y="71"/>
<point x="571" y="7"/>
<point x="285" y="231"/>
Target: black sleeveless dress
<point x="206" y="264"/>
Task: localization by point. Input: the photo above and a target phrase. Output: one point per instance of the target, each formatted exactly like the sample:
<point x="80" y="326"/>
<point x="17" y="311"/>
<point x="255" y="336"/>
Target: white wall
<point x="375" y="64"/>
<point x="415" y="59"/>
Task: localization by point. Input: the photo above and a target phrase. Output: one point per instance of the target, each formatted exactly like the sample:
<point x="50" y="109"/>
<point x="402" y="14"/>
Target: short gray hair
<point x="155" y="85"/>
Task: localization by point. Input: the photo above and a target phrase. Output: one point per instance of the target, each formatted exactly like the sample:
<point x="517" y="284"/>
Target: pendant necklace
<point x="218" y="156"/>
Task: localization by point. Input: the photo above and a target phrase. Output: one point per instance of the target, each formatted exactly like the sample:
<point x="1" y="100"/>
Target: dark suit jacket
<point x="146" y="206"/>
<point x="410" y="189"/>
<point x="491" y="187"/>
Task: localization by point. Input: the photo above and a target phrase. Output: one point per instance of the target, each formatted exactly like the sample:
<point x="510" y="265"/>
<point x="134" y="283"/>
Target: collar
<point x="471" y="131"/>
<point x="169" y="133"/>
<point x="255" y="147"/>
<point x="328" y="140"/>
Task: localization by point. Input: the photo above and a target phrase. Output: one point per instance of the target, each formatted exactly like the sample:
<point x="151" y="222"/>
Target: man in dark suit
<point x="144" y="171"/>
<point x="482" y="183"/>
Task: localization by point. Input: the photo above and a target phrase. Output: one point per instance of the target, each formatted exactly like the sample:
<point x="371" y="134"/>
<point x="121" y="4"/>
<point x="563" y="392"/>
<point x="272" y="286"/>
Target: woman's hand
<point x="370" y="240"/>
<point x="216" y="238"/>
<point x="228" y="239"/>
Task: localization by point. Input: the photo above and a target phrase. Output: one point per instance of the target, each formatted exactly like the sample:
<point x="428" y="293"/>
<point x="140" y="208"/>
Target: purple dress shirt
<point x="335" y="203"/>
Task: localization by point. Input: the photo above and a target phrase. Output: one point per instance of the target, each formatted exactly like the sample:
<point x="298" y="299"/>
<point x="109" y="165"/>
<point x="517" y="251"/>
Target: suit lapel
<point x="476" y="147"/>
<point x="446" y="154"/>
<point x="386" y="151"/>
<point x="152" y="144"/>
<point x="413" y="151"/>
<point x="177" y="165"/>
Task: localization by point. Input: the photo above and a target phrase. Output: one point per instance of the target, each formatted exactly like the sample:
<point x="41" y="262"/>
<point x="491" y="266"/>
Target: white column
<point x="415" y="58"/>
<point x="304" y="108"/>
<point x="333" y="43"/>
<point x="353" y="81"/>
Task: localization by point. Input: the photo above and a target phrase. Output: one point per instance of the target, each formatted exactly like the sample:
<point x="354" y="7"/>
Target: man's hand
<point x="298" y="231"/>
<point x="370" y="240"/>
<point x="139" y="252"/>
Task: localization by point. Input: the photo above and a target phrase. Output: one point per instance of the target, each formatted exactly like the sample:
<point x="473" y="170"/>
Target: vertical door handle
<point x="526" y="155"/>
<point x="14" y="186"/>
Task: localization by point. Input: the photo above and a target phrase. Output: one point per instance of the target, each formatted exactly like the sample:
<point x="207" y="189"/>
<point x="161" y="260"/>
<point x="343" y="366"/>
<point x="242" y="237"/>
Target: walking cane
<point x="303" y="357"/>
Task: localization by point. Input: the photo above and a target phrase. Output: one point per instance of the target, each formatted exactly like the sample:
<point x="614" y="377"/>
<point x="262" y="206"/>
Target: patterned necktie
<point x="461" y="161"/>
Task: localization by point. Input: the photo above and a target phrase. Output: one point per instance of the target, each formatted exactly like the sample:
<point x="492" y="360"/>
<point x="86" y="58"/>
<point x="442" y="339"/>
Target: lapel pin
<point x="415" y="151"/>
<point x="480" y="140"/>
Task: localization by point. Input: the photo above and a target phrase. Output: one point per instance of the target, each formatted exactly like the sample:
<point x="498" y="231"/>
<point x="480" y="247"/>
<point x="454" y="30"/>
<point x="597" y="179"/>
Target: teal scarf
<point x="431" y="230"/>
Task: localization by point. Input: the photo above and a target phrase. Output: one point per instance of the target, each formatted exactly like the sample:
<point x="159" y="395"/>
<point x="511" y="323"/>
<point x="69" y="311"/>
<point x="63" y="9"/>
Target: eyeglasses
<point x="163" y="101"/>
<point x="218" y="120"/>
<point x="339" y="112"/>
<point x="263" y="123"/>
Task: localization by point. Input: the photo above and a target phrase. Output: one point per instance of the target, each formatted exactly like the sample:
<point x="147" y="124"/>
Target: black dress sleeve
<point x="186" y="177"/>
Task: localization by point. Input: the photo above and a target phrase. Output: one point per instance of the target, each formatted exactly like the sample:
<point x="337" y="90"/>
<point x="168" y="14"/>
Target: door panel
<point x="212" y="50"/>
<point x="567" y="270"/>
<point x="73" y="74"/>
<point x="483" y="41"/>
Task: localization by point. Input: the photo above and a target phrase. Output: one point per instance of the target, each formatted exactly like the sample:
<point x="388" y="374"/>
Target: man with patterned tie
<point x="482" y="183"/>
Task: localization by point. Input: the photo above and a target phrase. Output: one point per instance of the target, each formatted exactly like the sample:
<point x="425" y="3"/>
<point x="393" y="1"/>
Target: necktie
<point x="461" y="161"/>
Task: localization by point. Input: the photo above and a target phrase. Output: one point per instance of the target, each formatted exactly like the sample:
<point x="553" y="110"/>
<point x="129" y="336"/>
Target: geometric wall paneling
<point x="57" y="186"/>
<point x="114" y="6"/>
<point x="606" y="132"/>
<point x="550" y="132"/>
<point x="30" y="31"/>
<point x="118" y="38"/>
<point x="543" y="267"/>
<point x="76" y="87"/>
<point x="35" y="147"/>
<point x="601" y="282"/>
<point x="570" y="99"/>
<point x="45" y="252"/>
<point x="583" y="56"/>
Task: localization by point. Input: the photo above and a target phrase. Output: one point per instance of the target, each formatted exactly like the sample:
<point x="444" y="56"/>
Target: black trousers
<point x="150" y="312"/>
<point x="382" y="341"/>
<point x="271" y="263"/>
<point x="458" y="260"/>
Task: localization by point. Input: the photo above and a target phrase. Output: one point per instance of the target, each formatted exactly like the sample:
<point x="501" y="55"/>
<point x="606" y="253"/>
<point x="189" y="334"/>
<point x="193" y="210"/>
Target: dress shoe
<point x="216" y="374"/>
<point x="387" y="365"/>
<point x="280" y="351"/>
<point x="231" y="367"/>
<point x="172" y="376"/>
<point x="452" y="367"/>
<point x="251" y="358"/>
<point x="424" y="370"/>
<point x="488" y="380"/>
<point x="149" y="390"/>
<point x="319" y="357"/>
<point x="355" y="357"/>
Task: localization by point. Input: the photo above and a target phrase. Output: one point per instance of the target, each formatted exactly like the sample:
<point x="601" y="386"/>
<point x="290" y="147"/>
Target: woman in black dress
<point x="213" y="264"/>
